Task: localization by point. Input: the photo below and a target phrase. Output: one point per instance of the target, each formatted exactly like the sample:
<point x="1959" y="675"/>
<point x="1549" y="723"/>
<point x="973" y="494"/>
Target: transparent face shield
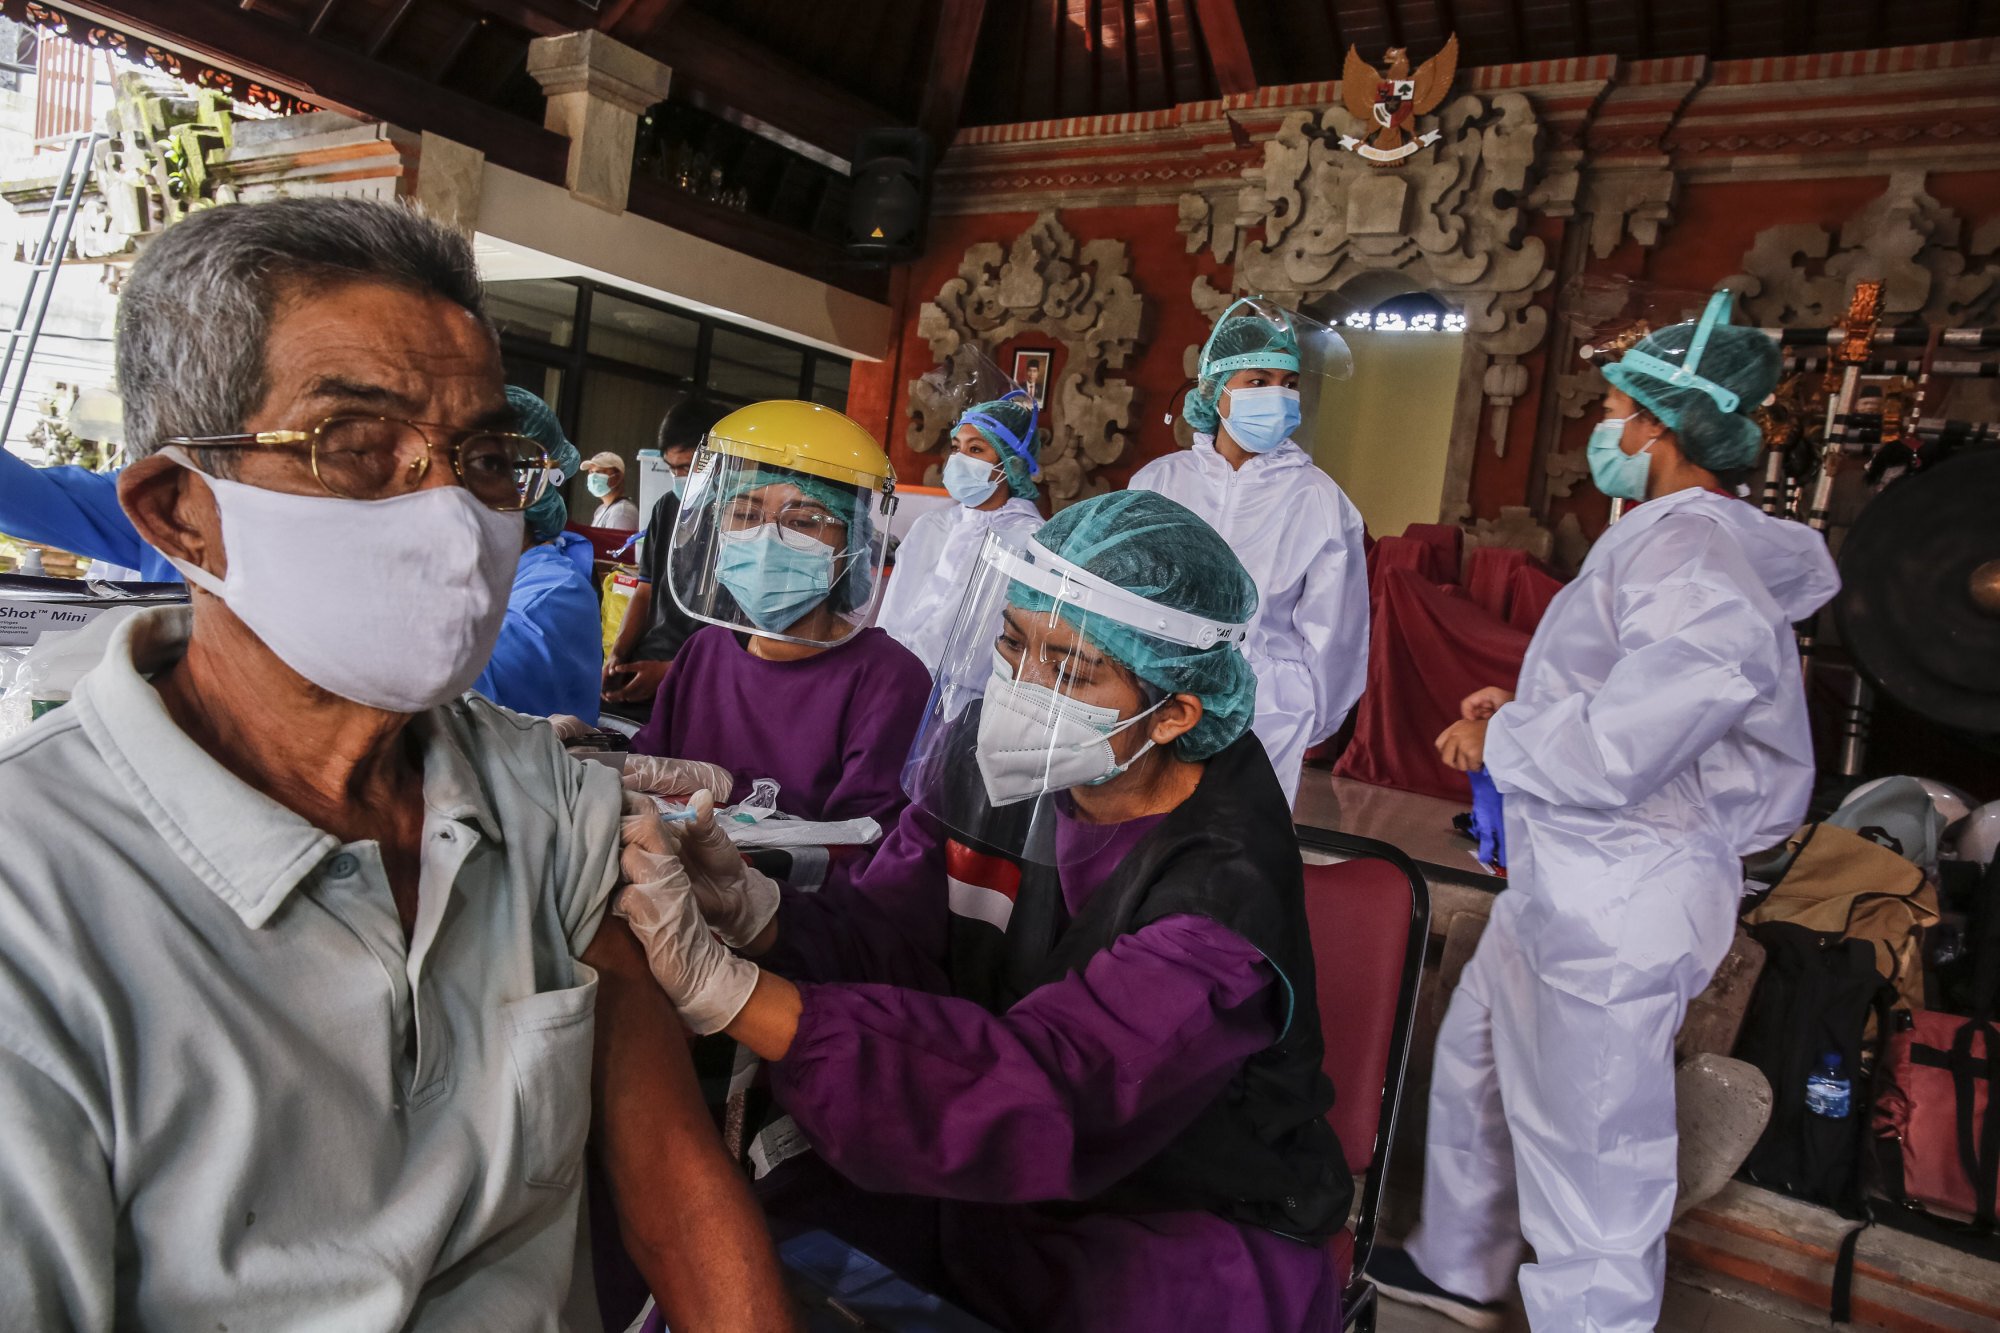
<point x="1608" y="314"/>
<point x="1686" y="372"/>
<point x="776" y="551"/>
<point x="1264" y="368"/>
<point x="1029" y="708"/>
<point x="960" y="395"/>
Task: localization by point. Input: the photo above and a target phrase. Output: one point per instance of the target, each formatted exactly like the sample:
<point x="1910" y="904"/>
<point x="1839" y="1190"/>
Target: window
<point x="830" y="375"/>
<point x="643" y="335"/>
<point x="537" y="377"/>
<point x="542" y="311"/>
<point x="741" y="366"/>
<point x="612" y="362"/>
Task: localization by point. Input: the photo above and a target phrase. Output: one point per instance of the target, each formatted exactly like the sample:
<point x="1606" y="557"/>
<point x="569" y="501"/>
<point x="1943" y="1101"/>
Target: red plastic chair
<point x="1369" y="916"/>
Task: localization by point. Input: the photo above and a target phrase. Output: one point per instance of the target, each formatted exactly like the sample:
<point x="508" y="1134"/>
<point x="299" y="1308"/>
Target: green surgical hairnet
<point x="1161" y="550"/>
<point x="1243" y="338"/>
<point x="547" y="515"/>
<point x="1016" y="417"/>
<point x="844" y="503"/>
<point x="1743" y="361"/>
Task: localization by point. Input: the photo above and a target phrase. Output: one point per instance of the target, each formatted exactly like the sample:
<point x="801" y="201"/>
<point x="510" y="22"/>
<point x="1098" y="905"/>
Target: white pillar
<point x="597" y="89"/>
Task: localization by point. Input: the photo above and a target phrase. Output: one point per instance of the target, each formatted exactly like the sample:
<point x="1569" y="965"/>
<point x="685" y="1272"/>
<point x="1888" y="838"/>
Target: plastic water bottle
<point x="1827" y="1090"/>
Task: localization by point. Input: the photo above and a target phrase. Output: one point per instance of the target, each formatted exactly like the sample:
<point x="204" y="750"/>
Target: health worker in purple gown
<point x="1083" y="1019"/>
<point x="779" y="543"/>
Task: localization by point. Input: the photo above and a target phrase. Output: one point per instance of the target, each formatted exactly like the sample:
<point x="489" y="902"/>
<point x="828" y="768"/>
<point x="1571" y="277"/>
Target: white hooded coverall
<point x="933" y="565"/>
<point x="1300" y="537"/>
<point x="1659" y="734"/>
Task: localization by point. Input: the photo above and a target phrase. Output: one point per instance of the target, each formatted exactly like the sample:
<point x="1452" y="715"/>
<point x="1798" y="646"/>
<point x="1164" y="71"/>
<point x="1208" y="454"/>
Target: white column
<point x="597" y="89"/>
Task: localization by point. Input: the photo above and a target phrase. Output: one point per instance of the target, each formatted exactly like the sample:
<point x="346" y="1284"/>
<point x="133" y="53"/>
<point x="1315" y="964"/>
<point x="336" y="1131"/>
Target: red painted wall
<point x="1715" y="224"/>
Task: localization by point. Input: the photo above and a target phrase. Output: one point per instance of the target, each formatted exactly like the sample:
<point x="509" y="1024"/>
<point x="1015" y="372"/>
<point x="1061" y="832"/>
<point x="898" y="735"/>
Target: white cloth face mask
<point x="1033" y="740"/>
<point x="395" y="604"/>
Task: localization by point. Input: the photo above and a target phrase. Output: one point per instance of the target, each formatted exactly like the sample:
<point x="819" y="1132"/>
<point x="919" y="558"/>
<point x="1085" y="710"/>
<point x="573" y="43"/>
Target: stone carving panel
<point x="1801" y="275"/>
<point x="1082" y="296"/>
<point x="1454" y="220"/>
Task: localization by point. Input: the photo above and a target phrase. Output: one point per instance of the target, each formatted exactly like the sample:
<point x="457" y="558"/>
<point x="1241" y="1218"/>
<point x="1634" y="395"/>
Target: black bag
<point x="1815" y="996"/>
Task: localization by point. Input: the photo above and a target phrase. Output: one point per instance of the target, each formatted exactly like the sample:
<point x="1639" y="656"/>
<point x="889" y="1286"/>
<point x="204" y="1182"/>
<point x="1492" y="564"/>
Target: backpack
<point x="1816" y="997"/>
<point x="1841" y="883"/>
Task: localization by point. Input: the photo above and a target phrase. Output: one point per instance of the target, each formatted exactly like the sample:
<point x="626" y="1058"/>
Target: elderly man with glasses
<point x="309" y="1001"/>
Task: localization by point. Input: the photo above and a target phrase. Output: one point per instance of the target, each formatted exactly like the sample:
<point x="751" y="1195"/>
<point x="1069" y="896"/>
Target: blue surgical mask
<point x="1620" y="475"/>
<point x="971" y="481"/>
<point x="599" y="484"/>
<point x="774" y="582"/>
<point x="675" y="483"/>
<point x="1263" y="418"/>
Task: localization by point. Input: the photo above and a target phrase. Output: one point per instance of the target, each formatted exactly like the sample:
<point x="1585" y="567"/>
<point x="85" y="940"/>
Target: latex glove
<point x="1489" y="820"/>
<point x="568" y="728"/>
<point x="738" y="899"/>
<point x="674" y="777"/>
<point x="708" y="984"/>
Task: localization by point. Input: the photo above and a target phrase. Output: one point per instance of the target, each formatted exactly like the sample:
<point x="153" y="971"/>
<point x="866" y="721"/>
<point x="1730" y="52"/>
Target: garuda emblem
<point x="1392" y="100"/>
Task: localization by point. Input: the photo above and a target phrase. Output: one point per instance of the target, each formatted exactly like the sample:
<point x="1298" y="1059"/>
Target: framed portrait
<point x="1031" y="372"/>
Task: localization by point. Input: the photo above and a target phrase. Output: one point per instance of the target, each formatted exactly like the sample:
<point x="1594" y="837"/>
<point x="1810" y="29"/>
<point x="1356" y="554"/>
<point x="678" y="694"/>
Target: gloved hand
<point x="674" y="777"/>
<point x="1489" y="822"/>
<point x="708" y="984"/>
<point x="738" y="899"/>
<point x="569" y="727"/>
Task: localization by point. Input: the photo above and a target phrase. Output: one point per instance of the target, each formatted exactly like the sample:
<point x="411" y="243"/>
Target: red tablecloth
<point x="1489" y="576"/>
<point x="1426" y="558"/>
<point x="1448" y="541"/>
<point x="1428" y="648"/>
<point x="1529" y="592"/>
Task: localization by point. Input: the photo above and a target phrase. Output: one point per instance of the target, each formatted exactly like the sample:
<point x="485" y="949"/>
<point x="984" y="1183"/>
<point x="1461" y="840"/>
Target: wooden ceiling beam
<point x="288" y="58"/>
<point x="1228" y="49"/>
<point x="1331" y="8"/>
<point x="627" y="19"/>
<point x="958" y="26"/>
<point x="390" y="26"/>
<point x="453" y="50"/>
<point x="1392" y="22"/>
<point x="734" y="70"/>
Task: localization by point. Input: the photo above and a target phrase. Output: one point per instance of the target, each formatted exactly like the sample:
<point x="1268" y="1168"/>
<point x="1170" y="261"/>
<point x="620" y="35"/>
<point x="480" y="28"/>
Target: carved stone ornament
<point x="1797" y="276"/>
<point x="1515" y="529"/>
<point x="1080" y="295"/>
<point x="1453" y="220"/>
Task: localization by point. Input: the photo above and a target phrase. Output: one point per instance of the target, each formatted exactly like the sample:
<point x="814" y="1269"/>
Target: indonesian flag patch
<point x="982" y="887"/>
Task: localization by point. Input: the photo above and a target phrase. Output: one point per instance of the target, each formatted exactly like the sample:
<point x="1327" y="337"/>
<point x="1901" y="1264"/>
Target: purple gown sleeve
<point x="652" y="738"/>
<point x="1060" y="1097"/>
<point x="888" y="924"/>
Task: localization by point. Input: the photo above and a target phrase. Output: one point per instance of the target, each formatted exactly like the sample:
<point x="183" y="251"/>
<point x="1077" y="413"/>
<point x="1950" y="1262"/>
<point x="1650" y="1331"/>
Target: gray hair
<point x="195" y="314"/>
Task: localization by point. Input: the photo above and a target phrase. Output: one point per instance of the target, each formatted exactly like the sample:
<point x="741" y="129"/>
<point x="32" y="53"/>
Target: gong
<point x="1919" y="605"/>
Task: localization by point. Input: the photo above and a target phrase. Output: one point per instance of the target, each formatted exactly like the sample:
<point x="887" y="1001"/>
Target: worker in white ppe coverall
<point x="1659" y="734"/>
<point x="1289" y="522"/>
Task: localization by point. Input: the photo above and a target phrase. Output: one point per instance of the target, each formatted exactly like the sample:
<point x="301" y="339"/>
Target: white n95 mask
<point x="1033" y="740"/>
<point x="395" y="604"/>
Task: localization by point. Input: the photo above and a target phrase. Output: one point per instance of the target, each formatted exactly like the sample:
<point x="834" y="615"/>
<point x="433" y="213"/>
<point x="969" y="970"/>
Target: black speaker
<point x="891" y="196"/>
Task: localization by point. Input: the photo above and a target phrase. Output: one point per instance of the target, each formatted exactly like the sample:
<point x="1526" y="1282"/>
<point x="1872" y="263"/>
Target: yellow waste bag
<point x="618" y="588"/>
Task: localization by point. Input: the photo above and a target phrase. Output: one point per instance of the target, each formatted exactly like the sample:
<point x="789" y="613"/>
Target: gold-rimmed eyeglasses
<point x="374" y="458"/>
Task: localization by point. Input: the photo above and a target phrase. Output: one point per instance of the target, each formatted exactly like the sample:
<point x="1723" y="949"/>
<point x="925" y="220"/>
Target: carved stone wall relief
<point x="1801" y="276"/>
<point x="1312" y="217"/>
<point x="1079" y="295"/>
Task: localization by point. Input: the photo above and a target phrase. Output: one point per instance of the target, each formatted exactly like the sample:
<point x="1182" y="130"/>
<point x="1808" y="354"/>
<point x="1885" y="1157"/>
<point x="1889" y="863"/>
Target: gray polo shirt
<point x="231" y="1096"/>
